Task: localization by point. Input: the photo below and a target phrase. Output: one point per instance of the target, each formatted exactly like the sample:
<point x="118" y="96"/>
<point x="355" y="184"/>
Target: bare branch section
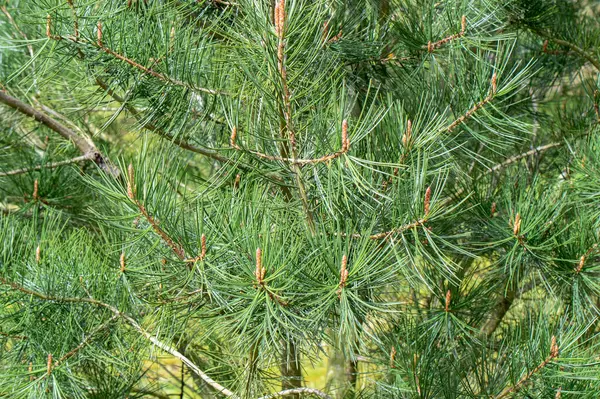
<point x="129" y="320"/>
<point x="86" y="147"/>
<point x="52" y="165"/>
<point x="345" y="148"/>
<point x="296" y="391"/>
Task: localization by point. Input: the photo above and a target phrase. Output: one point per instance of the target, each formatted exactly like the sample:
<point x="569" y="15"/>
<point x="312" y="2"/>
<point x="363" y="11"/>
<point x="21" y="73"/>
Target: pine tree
<point x="409" y="189"/>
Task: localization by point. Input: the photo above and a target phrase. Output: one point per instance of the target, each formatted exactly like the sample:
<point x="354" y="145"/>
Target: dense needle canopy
<point x="403" y="194"/>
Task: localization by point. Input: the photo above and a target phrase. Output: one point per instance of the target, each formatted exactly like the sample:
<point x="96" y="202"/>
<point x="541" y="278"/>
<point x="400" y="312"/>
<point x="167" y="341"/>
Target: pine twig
<point x="100" y="45"/>
<point x="52" y="165"/>
<point x="129" y="320"/>
<point x="85" y="146"/>
<point x="435" y="45"/>
<point x="476" y="107"/>
<point x="517" y="387"/>
<point x="293" y="161"/>
<point x="296" y="391"/>
<point x="576" y="49"/>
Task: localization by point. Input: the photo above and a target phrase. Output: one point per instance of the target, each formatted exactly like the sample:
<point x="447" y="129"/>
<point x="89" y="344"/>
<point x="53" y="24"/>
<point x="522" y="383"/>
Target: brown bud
<point x="343" y="275"/>
<point x="130" y="182"/>
<point x="494" y="83"/>
<point x="258" y="273"/>
<point x="345" y="140"/>
<point x="49" y="364"/>
<point x="545" y="46"/>
<point x="35" y="190"/>
<point x="279" y="17"/>
<point x="427" y="201"/>
<point x="392" y="357"/>
<point x="99" y="31"/>
<point x="407" y="135"/>
<point x="233" y="137"/>
<point x="430" y="47"/>
<point x="580" y="265"/>
<point x="122" y="261"/>
<point x="448" y="298"/>
<point x="203" y="246"/>
<point x="558" y="393"/>
<point x="236" y="182"/>
<point x="517" y="225"/>
<point x="493" y="209"/>
<point x="553" y="347"/>
<point x="463" y="24"/>
<point x="48" y="26"/>
<point x="37" y="254"/>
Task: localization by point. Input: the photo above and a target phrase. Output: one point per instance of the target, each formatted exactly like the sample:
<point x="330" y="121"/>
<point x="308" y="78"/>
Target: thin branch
<point x="293" y="161"/>
<point x="507" y="162"/>
<point x="517" y="387"/>
<point x="387" y="234"/>
<point x="286" y="125"/>
<point x="576" y="49"/>
<point x="177" y="141"/>
<point x="155" y="341"/>
<point x="518" y="157"/>
<point x="296" y="391"/>
<point x="463" y="27"/>
<point x="100" y="45"/>
<point x="52" y="165"/>
<point x="18" y="337"/>
<point x="85" y="146"/>
<point x="475" y="108"/>
<point x="86" y="341"/>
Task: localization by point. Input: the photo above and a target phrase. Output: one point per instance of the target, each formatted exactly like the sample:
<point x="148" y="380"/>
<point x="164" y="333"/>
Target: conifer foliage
<point x="407" y="190"/>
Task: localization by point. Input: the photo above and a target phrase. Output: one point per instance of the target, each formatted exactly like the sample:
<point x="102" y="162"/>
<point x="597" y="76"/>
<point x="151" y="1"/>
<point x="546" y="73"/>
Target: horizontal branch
<point x="52" y="165"/>
<point x="506" y="163"/>
<point x="84" y="146"/>
<point x="475" y="107"/>
<point x="155" y="341"/>
<point x="387" y="234"/>
<point x="294" y="161"/>
<point x="178" y="141"/>
<point x="86" y="341"/>
<point x="296" y="391"/>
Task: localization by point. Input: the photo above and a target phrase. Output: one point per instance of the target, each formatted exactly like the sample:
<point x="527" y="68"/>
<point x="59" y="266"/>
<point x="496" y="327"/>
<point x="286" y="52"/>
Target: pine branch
<point x="52" y="165"/>
<point x="131" y="193"/>
<point x="86" y="341"/>
<point x="86" y="147"/>
<point x="504" y="164"/>
<point x="389" y="233"/>
<point x="293" y="161"/>
<point x="576" y="49"/>
<point x="213" y="154"/>
<point x="148" y="71"/>
<point x="155" y="341"/>
<point x="475" y="108"/>
<point x="440" y="43"/>
<point x="286" y="126"/>
<point x="296" y="391"/>
<point x="517" y="387"/>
